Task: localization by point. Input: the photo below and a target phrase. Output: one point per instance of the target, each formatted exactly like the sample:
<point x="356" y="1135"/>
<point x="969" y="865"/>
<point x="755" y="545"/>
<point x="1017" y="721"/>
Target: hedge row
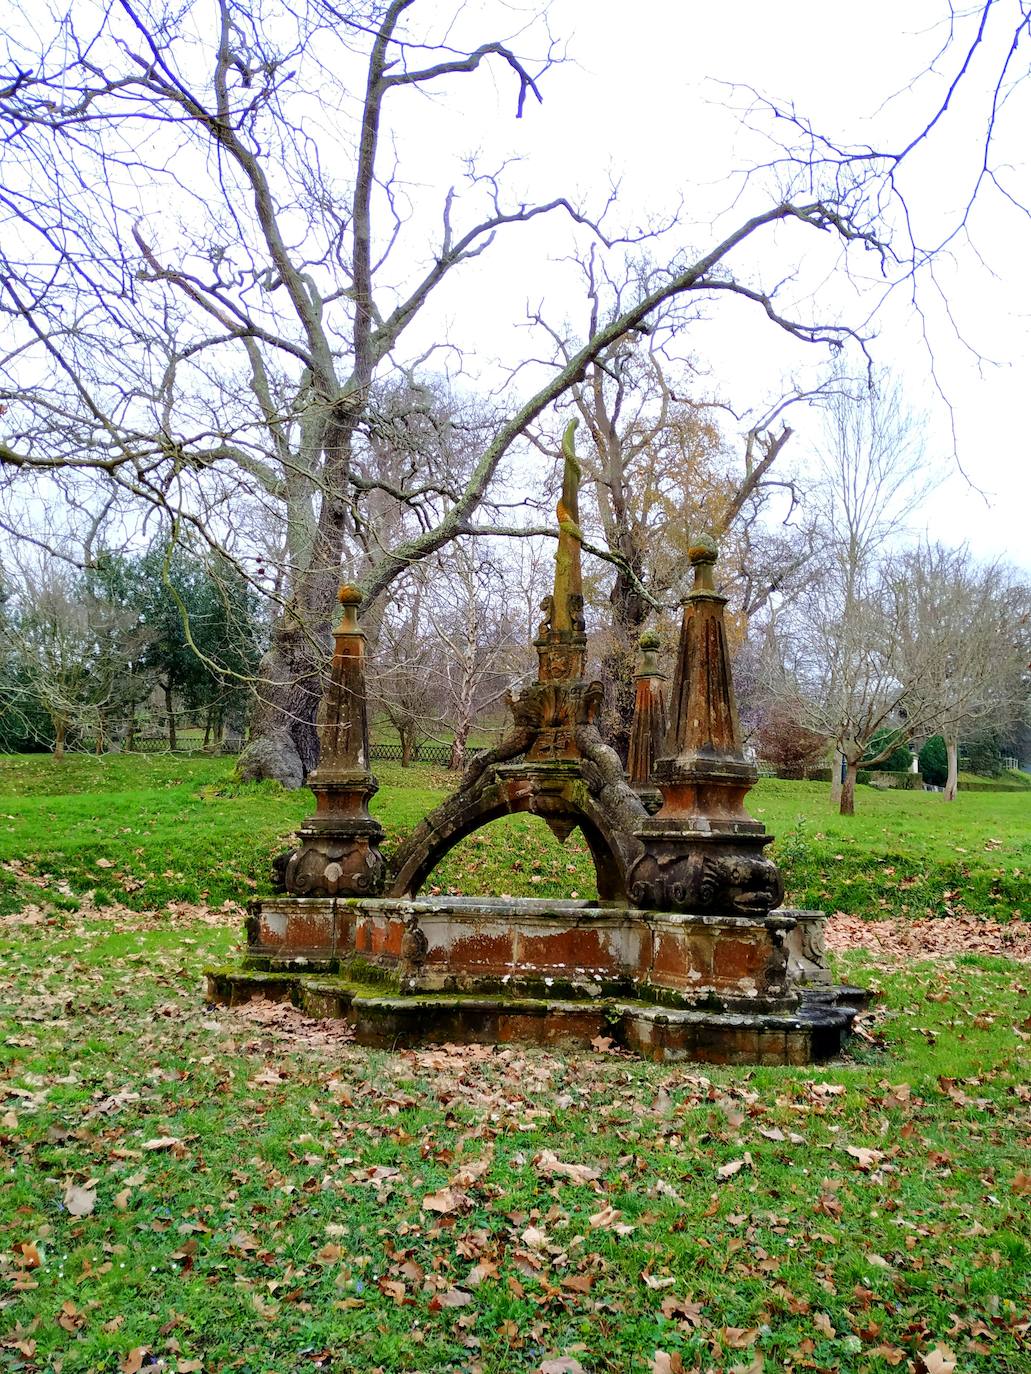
<point x="988" y="785"/>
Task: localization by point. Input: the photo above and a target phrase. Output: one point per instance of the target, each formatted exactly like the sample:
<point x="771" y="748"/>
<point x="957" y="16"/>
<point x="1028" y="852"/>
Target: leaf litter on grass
<point x="900" y="942"/>
<point x="259" y="1161"/>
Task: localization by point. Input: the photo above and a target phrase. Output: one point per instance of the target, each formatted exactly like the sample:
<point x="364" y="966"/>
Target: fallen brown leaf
<point x="866" y="1159"/>
<point x="754" y="1367"/>
<point x="608" y="1219"/>
<point x="80" y="1202"/>
<point x="734" y="1166"/>
<point x="691" y="1312"/>
<point x="739" y="1337"/>
<point x="483" y="1269"/>
<point x="550" y="1166"/>
<point x="579" y="1283"/>
<point x="444" y="1201"/>
<point x="939" y="1360"/>
<point x="455" y="1297"/>
<point x="653" y="1282"/>
<point x="666" y="1363"/>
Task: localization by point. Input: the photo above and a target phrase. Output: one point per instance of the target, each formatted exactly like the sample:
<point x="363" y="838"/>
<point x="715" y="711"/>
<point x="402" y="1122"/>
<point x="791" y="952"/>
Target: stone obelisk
<point x="338" y="850"/>
<point x="703" y="851"/>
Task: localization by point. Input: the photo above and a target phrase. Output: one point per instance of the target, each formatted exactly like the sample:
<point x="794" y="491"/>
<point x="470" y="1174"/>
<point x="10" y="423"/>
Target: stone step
<point x="810" y="1034"/>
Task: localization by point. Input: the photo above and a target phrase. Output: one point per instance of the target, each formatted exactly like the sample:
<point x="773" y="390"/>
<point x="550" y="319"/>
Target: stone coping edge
<point x="811" y="1033"/>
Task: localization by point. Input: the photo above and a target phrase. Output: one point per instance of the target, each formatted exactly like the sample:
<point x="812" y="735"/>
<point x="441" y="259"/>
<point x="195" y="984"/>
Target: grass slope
<point x="149" y="831"/>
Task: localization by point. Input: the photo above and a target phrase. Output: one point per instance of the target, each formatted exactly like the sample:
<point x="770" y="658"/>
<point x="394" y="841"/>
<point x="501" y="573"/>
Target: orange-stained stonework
<point x="687" y="954"/>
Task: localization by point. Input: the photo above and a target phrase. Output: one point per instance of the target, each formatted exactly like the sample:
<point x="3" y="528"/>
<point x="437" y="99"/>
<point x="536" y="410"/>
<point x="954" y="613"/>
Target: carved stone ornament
<point x="553" y="763"/>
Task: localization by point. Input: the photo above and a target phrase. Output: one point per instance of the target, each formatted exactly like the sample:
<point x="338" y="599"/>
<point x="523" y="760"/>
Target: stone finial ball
<point x="650" y="640"/>
<point x="702" y="549"/>
<point x="349" y="595"/>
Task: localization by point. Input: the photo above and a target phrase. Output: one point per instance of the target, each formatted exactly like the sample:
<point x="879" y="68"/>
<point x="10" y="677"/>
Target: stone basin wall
<point x="581" y="949"/>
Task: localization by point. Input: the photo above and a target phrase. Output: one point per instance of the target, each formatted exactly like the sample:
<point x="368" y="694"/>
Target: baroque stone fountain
<point x="687" y="952"/>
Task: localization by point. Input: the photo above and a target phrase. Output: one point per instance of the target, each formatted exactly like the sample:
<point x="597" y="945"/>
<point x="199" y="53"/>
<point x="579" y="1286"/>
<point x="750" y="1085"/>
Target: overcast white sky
<point x="639" y="97"/>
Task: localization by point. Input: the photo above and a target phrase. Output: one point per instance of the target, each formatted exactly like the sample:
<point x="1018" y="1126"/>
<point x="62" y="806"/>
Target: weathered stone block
<point x="738" y="961"/>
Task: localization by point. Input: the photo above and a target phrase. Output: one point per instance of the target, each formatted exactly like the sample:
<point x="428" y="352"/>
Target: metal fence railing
<point x="185" y="744"/>
<point x="190" y="744"/>
<point x="151" y="744"/>
<point x="422" y="753"/>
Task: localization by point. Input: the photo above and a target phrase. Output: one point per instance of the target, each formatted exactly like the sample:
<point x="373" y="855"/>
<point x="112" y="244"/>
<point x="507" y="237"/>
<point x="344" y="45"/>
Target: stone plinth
<point x="670" y="985"/>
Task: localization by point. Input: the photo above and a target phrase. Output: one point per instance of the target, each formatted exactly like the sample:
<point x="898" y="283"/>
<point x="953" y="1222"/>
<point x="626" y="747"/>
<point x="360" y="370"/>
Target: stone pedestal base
<point x="720" y="989"/>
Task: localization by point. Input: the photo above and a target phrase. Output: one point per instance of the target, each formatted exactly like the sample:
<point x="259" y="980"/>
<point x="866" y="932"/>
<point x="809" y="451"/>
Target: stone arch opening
<point x="517" y="854"/>
<point x="562" y="809"/>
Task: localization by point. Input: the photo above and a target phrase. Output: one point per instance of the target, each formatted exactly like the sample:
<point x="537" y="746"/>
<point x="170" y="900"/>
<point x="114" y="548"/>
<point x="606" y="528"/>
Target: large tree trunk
<point x="284" y="743"/>
<point x="60" y="729"/>
<point x="459" y="745"/>
<point x="169" y="709"/>
<point x="466" y="704"/>
<point x="848" y="789"/>
<point x="952" y="754"/>
<point x="836" y="783"/>
<point x="407" y="738"/>
<point x="629" y="612"/>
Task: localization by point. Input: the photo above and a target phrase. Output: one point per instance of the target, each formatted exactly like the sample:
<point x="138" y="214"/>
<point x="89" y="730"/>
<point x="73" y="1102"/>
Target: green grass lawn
<point x="187" y="1189"/>
<point x="154" y="829"/>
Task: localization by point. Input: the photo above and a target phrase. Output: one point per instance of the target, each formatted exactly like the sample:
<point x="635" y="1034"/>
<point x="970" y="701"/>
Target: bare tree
<point x="404" y="678"/>
<point x="201" y="327"/>
<point x="838" y="644"/>
<point x="479" y="638"/>
<point x="659" y="467"/>
<point x="77" y="652"/>
<point x="965" y="639"/>
<point x="967" y="107"/>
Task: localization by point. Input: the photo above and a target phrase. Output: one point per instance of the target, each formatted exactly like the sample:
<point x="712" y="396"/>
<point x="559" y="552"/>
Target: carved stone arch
<point x="563" y="804"/>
